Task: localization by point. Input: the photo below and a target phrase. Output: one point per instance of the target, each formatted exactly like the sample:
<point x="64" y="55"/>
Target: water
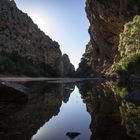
<point x="73" y="117"/>
<point x="88" y="110"/>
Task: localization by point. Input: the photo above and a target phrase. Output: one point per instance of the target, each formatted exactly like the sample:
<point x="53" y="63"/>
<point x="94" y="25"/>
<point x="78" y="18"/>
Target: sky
<point x="64" y="21"/>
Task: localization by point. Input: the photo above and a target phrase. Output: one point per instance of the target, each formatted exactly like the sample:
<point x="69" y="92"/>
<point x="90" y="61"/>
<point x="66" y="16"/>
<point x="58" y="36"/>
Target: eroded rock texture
<point x="106" y="23"/>
<point x="19" y="35"/>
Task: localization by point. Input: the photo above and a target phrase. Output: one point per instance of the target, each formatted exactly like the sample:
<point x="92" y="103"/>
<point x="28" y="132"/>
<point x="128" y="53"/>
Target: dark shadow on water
<point x="130" y="106"/>
<point x="20" y="121"/>
<point x="107" y="110"/>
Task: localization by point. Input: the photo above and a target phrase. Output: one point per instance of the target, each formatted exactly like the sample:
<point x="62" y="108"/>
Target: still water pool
<point x="73" y="117"/>
<point x="87" y="110"/>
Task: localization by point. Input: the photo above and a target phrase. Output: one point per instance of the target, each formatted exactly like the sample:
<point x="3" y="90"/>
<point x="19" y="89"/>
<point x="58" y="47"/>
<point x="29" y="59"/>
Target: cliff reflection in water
<point x="21" y="121"/>
<point x="112" y="117"/>
<point x="130" y="106"/>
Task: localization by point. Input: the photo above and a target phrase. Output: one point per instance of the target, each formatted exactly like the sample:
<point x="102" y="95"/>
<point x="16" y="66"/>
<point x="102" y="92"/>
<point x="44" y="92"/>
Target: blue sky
<point x="63" y="20"/>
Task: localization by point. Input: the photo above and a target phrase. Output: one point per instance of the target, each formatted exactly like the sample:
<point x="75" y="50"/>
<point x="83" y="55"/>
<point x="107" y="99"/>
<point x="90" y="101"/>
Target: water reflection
<point x="130" y="106"/>
<point x="72" y="117"/>
<point x="130" y="114"/>
<point x="103" y="105"/>
<point x="21" y="121"/>
<point x="97" y="111"/>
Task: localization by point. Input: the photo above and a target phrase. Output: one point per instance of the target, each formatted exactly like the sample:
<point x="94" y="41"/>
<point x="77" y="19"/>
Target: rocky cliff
<point x="20" y="36"/>
<point x="106" y="23"/>
<point x="68" y="67"/>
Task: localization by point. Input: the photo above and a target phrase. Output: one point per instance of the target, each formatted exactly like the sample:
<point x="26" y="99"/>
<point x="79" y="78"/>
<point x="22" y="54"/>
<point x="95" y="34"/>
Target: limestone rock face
<point x="18" y="34"/>
<point x="68" y="67"/>
<point x="106" y="23"/>
<point x="65" y="67"/>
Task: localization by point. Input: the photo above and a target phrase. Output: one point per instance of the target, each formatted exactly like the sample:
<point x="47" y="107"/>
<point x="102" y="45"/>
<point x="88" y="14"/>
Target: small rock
<point x="72" y="135"/>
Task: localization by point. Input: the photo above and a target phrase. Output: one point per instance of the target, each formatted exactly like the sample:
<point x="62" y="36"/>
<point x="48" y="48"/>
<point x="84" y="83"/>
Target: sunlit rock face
<point x="18" y="34"/>
<point x="106" y="23"/>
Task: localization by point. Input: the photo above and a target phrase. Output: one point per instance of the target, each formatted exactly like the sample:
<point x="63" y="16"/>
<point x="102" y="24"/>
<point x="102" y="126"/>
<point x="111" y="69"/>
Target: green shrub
<point x="125" y="62"/>
<point x="6" y="65"/>
<point x="15" y="65"/>
<point x="129" y="48"/>
<point x="130" y="38"/>
<point x="121" y="91"/>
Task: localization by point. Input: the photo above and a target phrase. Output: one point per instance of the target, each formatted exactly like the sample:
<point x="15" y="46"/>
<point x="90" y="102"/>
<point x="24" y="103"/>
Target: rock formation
<point x="68" y="67"/>
<point x="19" y="35"/>
<point x="106" y="23"/>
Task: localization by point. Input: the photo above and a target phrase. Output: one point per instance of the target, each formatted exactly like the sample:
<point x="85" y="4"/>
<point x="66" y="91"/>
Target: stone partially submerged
<point x="14" y="92"/>
<point x="72" y="135"/>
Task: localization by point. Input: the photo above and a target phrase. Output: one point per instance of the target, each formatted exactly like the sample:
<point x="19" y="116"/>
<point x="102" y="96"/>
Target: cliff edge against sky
<point x="20" y="37"/>
<point x="107" y="19"/>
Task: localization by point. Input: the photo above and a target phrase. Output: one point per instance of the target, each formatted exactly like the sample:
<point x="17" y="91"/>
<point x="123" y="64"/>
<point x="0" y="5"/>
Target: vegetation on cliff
<point x="85" y="66"/>
<point x="129" y="65"/>
<point x="13" y="64"/>
<point x="107" y="19"/>
<point x="36" y="51"/>
<point x="130" y="38"/>
<point x="129" y="48"/>
<point x="121" y="91"/>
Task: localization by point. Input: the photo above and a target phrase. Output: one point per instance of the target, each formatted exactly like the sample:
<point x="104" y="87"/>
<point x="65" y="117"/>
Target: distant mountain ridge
<point x="20" y="36"/>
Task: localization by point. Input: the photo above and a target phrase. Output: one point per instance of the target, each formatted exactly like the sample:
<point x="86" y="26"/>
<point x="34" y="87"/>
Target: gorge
<point x="40" y="98"/>
<point x="22" y="42"/>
